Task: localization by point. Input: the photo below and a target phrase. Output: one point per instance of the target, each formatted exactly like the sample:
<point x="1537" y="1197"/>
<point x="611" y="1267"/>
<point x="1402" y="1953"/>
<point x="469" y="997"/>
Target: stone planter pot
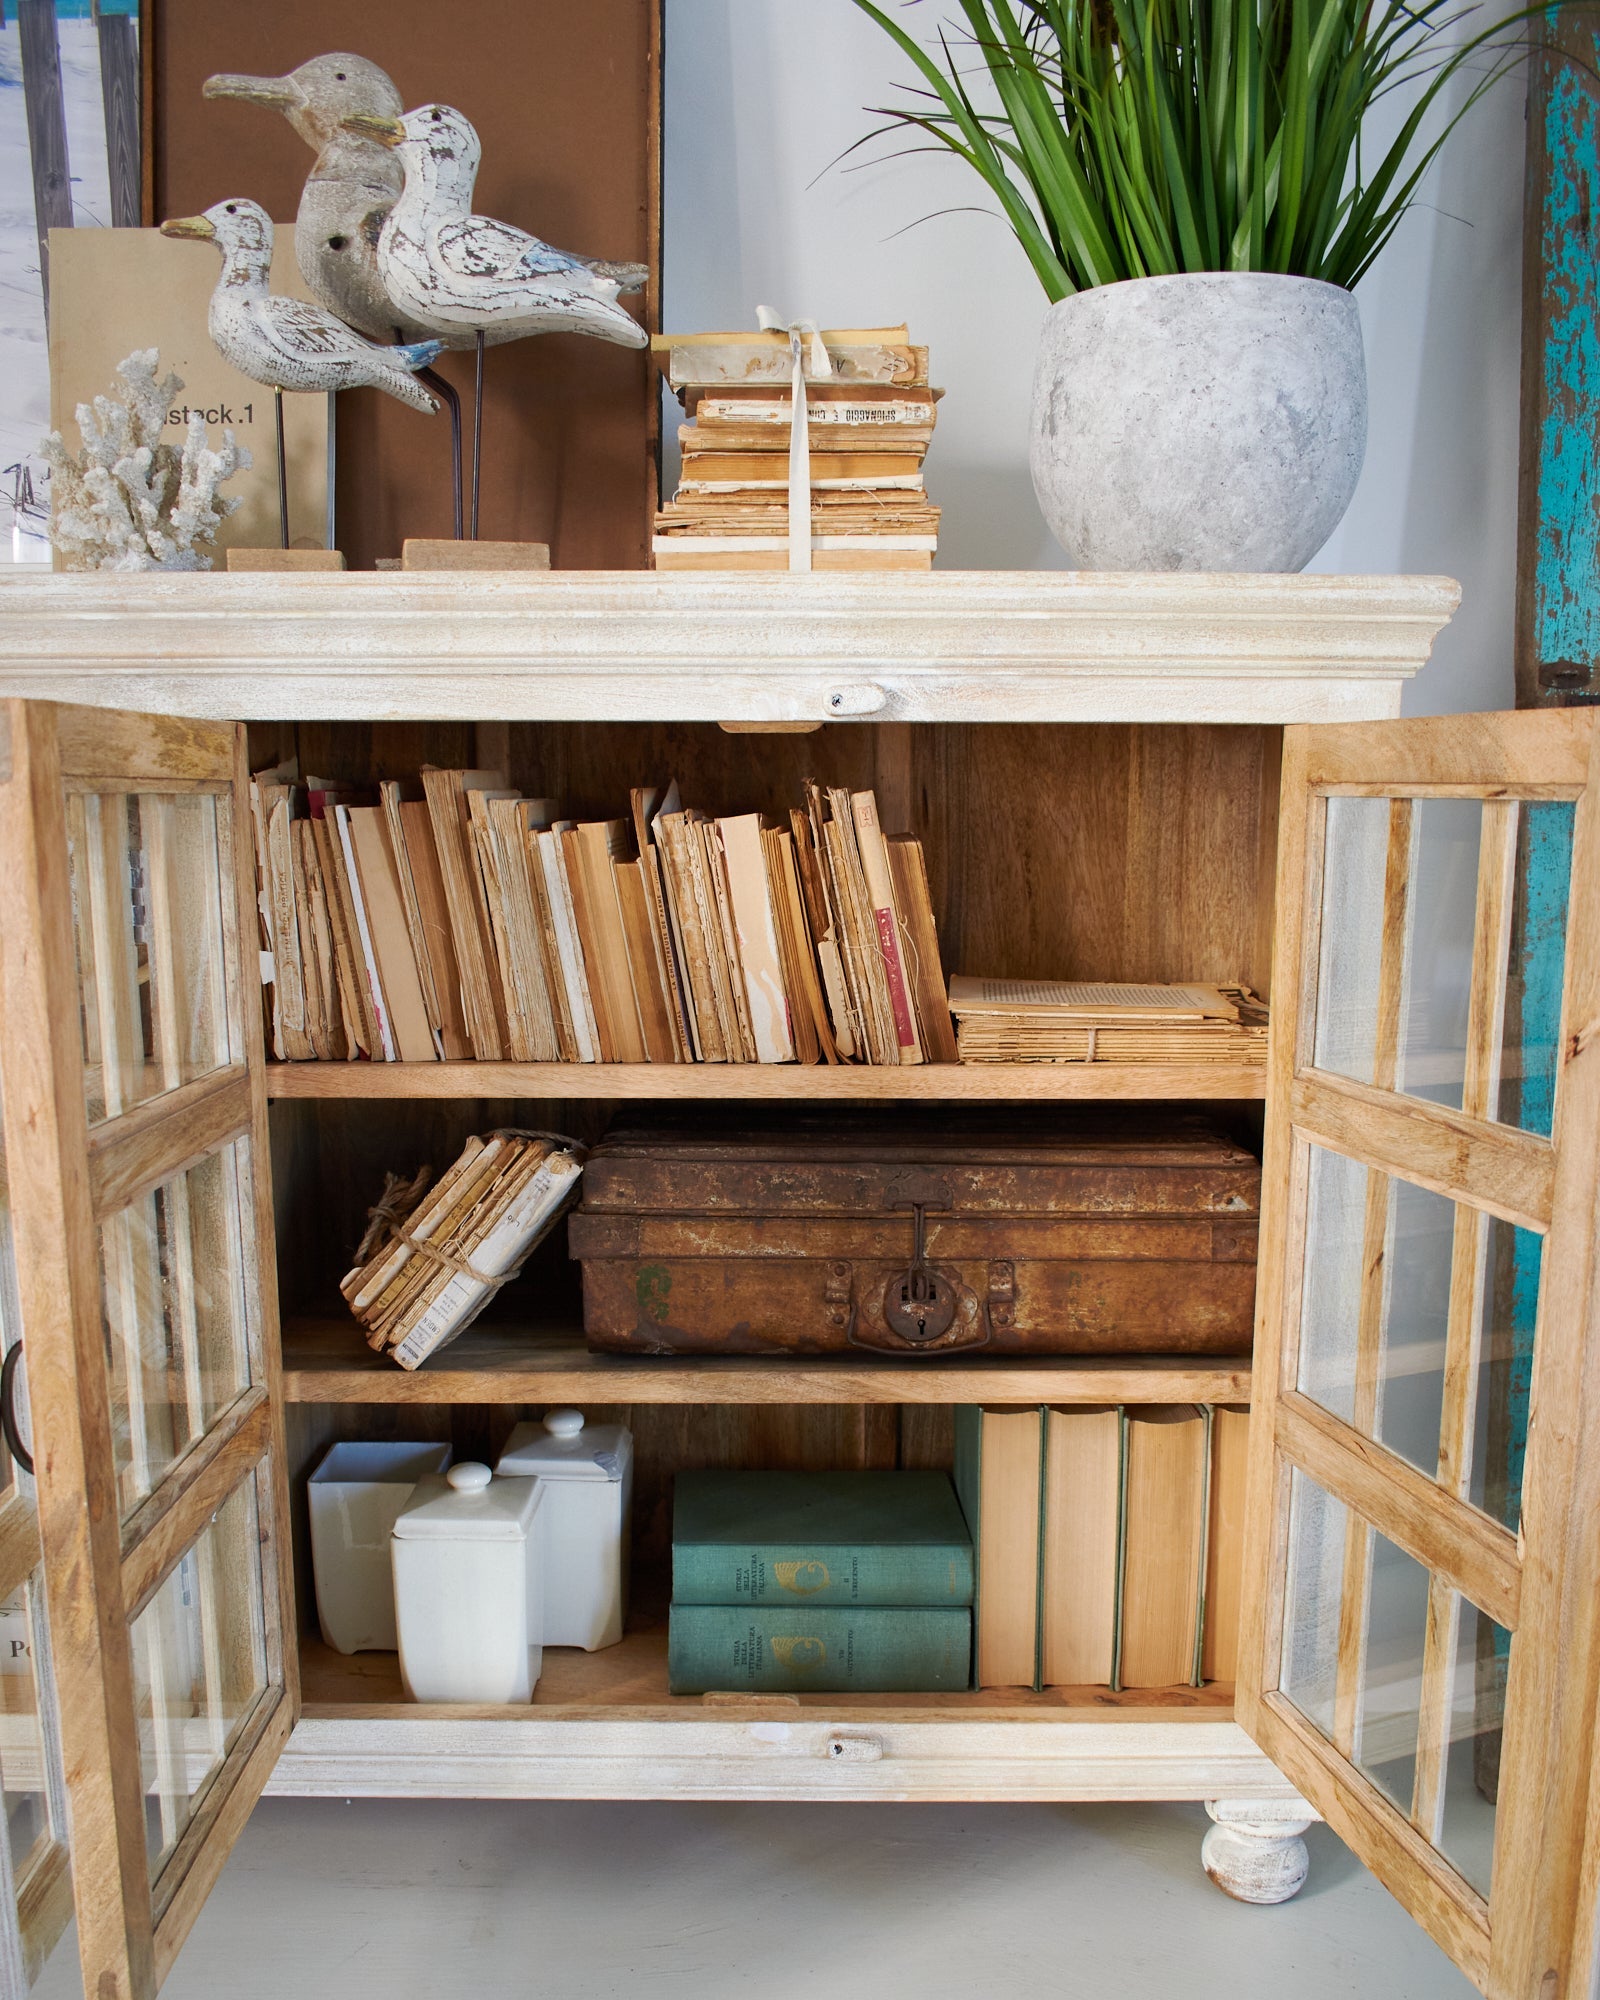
<point x="1214" y="421"/>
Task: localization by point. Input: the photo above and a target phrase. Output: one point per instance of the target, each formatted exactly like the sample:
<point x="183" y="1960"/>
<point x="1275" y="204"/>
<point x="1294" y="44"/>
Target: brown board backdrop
<point x="567" y="101"/>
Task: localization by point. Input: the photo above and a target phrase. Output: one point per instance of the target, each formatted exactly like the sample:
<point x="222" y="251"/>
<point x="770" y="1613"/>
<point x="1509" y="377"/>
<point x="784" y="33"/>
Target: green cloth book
<point x="826" y="1538"/>
<point x="801" y="1649"/>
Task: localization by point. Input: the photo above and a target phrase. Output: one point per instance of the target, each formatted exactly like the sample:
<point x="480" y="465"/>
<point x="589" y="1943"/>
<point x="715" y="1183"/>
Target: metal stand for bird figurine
<point x="477" y="433"/>
<point x="283" y="472"/>
<point x="452" y="402"/>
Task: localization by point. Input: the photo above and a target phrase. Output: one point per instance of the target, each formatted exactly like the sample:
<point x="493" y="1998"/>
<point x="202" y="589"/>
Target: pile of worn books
<point x="868" y="423"/>
<point x="433" y="1257"/>
<point x="1059" y="1021"/>
<point x="450" y="917"/>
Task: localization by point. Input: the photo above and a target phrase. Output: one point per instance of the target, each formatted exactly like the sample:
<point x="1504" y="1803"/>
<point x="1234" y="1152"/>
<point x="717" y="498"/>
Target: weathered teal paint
<point x="1537" y="971"/>
<point x="1566" y="579"/>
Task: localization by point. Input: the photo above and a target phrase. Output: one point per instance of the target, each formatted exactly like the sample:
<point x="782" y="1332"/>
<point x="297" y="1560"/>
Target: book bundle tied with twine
<point x="434" y="1255"/>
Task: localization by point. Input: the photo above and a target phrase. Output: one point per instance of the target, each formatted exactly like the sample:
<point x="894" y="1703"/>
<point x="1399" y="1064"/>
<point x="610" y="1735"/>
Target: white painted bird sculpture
<point x="290" y="343"/>
<point x="457" y="274"/>
<point x="351" y="188"/>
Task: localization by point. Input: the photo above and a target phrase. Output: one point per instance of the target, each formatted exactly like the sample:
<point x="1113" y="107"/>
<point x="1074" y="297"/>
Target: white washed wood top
<point x="953" y="645"/>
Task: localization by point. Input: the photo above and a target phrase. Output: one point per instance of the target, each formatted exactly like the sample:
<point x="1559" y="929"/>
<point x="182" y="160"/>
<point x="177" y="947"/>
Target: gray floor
<point x="452" y="1901"/>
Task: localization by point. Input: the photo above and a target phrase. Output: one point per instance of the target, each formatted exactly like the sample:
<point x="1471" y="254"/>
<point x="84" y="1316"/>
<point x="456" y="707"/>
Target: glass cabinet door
<point x="134" y="1107"/>
<point x="1420" y="1651"/>
<point x="35" y="1883"/>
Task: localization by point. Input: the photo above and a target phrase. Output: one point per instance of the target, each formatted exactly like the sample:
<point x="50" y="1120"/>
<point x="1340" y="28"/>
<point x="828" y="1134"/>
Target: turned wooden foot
<point x="1254" y="1851"/>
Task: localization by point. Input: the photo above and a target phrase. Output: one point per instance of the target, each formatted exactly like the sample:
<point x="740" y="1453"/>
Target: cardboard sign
<point x="113" y="291"/>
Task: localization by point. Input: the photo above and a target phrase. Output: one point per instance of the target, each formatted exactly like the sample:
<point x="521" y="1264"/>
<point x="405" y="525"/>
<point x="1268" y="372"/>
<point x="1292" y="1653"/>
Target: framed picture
<point x="71" y="157"/>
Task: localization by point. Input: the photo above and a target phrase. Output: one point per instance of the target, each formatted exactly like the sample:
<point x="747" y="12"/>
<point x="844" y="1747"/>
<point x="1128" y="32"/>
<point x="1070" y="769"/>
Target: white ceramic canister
<point x="354" y="1498"/>
<point x="469" y="1587"/>
<point x="586" y="1471"/>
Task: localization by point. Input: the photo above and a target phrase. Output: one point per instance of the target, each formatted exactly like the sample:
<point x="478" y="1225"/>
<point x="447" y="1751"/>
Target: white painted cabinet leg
<point x="1254" y="1851"/>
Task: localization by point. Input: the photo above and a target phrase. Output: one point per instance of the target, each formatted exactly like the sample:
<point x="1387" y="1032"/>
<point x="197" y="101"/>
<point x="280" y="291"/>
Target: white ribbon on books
<point x="809" y="358"/>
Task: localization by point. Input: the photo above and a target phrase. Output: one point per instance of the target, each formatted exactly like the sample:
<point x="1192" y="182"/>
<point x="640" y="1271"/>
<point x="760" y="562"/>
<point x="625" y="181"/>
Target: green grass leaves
<point x="1138" y="138"/>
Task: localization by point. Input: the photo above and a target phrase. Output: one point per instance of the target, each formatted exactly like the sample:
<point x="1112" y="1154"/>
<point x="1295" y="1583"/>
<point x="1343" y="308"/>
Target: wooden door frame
<point x="1545" y="1581"/>
<point x="99" y="1568"/>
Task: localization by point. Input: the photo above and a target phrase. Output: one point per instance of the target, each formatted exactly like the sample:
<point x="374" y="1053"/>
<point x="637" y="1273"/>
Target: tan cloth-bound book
<point x="1082" y="1523"/>
<point x="395" y="967"/>
<point x="919" y="943"/>
<point x="446" y="792"/>
<point x="755" y="927"/>
<point x="590" y="850"/>
<point x="1166" y="1474"/>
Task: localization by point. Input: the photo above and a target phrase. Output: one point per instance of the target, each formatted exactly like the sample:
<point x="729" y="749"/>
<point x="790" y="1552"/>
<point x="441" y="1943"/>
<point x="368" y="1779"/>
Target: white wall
<point x="763" y="95"/>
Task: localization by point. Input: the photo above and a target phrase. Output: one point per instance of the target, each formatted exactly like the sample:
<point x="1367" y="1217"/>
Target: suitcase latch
<point x="918" y="1304"/>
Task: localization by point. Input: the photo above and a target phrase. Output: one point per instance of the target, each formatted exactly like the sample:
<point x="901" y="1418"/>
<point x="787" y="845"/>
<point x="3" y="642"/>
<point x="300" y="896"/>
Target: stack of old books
<point x="450" y="917"/>
<point x="1057" y="1020"/>
<point x="1109" y="1542"/>
<point x="435" y="1256"/>
<point x="868" y="423"/>
<point x="819" y="1582"/>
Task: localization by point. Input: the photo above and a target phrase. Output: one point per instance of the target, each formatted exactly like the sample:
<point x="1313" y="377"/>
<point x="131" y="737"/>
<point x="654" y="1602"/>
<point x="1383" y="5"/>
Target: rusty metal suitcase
<point x="918" y="1234"/>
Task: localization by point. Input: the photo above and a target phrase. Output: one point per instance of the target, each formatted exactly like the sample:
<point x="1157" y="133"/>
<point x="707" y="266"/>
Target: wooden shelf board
<point x="631" y="1678"/>
<point x="326" y="1360"/>
<point x="934" y="1082"/>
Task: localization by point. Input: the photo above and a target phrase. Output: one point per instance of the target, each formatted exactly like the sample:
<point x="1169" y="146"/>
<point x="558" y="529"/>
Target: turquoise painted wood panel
<point x="1558" y="621"/>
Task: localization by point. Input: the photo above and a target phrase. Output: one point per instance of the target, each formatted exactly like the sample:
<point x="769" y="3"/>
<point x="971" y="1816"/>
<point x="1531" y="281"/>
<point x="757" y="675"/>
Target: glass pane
<point x="1423" y="1725"/>
<point x="153" y="928"/>
<point x="1512" y="1269"/>
<point x="199" y="1667"/>
<point x="177" y="1283"/>
<point x="1399" y="906"/>
<point x="24" y="1792"/>
<point x="1375" y="1304"/>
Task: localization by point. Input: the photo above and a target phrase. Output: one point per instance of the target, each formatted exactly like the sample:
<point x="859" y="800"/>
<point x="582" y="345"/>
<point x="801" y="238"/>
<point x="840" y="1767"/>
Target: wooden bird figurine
<point x="351" y="188"/>
<point x="465" y="277"/>
<point x="290" y="343"/>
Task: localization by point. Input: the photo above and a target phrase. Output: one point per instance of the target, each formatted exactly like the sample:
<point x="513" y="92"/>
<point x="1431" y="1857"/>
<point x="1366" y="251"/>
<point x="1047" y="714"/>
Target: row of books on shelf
<point x="1075" y="1547"/>
<point x="868" y="424"/>
<point x="450" y="917"/>
<point x="1109" y="1542"/>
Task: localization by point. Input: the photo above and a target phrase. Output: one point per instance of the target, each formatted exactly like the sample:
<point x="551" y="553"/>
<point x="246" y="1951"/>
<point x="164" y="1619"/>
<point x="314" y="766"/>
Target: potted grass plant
<point x="1188" y="181"/>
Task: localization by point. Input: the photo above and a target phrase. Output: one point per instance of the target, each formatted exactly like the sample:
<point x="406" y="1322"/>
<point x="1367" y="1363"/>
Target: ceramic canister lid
<point x="468" y="1505"/>
<point x="565" y="1447"/>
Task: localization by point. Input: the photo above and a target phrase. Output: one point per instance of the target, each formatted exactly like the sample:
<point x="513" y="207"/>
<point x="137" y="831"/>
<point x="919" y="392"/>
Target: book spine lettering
<point x="779" y="1650"/>
<point x="717" y="1573"/>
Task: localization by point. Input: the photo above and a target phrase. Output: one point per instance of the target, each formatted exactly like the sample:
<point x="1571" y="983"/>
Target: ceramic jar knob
<point x="469" y="1477"/>
<point x="564" y="1423"/>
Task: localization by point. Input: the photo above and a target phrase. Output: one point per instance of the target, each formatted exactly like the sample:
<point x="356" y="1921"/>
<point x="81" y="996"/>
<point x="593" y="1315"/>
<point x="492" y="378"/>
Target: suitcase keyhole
<point x="919" y="1305"/>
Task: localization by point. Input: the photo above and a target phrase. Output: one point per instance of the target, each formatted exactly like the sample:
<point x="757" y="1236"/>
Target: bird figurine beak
<point x="189" y="225"/>
<point x="277" y="93"/>
<point x="373" y="125"/>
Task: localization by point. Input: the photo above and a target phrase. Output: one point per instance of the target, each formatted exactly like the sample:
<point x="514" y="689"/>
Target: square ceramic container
<point x="469" y="1587"/>
<point x="586" y="1471"/>
<point x="355" y="1495"/>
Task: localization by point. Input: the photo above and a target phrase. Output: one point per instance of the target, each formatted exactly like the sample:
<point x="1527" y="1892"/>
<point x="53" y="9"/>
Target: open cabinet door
<point x="1420" y="1650"/>
<point x="135" y="1128"/>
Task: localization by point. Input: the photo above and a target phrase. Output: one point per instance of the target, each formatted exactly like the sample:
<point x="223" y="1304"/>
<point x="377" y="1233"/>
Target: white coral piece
<point x="130" y="500"/>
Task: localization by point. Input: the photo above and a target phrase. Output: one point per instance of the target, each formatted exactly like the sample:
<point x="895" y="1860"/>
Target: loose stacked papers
<point x="439" y="1254"/>
<point x="1044" y="1020"/>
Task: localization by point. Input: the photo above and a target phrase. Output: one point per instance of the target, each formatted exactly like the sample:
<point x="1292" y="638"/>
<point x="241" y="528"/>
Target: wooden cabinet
<point x="1102" y="774"/>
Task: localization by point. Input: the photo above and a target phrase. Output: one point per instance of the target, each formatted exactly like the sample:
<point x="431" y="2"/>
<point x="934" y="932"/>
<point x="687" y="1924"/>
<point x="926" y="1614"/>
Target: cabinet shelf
<point x="632" y="1676"/>
<point x="326" y="1360"/>
<point x="975" y="1083"/>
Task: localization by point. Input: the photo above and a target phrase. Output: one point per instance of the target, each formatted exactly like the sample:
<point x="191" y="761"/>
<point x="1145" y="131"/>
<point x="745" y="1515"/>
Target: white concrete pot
<point x="1213" y="421"/>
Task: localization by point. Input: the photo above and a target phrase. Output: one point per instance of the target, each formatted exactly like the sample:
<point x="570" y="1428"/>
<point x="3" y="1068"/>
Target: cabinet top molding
<point x="953" y="645"/>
